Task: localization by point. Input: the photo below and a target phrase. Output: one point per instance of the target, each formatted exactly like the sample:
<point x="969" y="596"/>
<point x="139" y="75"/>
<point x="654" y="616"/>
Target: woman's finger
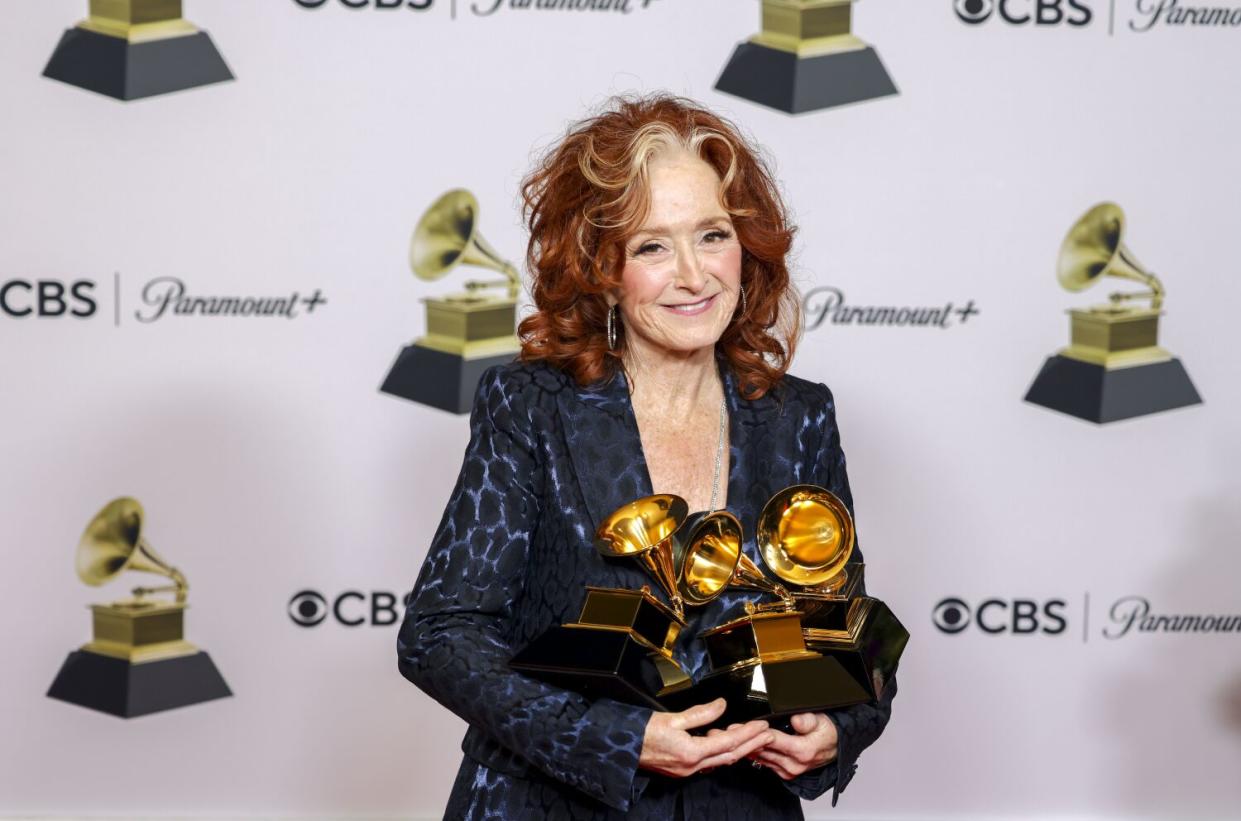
<point x="775" y="768"/>
<point x="794" y="746"/>
<point x="737" y="753"/>
<point x="806" y="723"/>
<point x="698" y="715"/>
<point x="772" y="758"/>
<point x="712" y="746"/>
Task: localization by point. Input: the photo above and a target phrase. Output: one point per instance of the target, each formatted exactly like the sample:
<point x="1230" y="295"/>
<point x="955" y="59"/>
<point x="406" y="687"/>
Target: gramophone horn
<point x="112" y="543"/>
<point x="710" y="559"/>
<point x="1094" y="249"/>
<point x="805" y="534"/>
<point x="707" y="556"/>
<point x="447" y="236"/>
<point x="644" y="529"/>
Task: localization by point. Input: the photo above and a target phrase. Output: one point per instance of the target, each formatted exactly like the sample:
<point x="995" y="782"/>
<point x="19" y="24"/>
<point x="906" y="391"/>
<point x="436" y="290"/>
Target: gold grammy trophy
<point x="806" y="58"/>
<point x="138" y="661"/>
<point x="466" y="333"/>
<point x="621" y="645"/>
<point x="1113" y="367"/>
<point x="130" y="49"/>
<point x="820" y="645"/>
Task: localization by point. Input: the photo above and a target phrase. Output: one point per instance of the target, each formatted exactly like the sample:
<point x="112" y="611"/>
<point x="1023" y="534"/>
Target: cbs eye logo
<point x="1023" y="12"/>
<point x="995" y="616"/>
<point x="952" y="615"/>
<point x="974" y="11"/>
<point x="352" y="608"/>
<point x="307" y="608"/>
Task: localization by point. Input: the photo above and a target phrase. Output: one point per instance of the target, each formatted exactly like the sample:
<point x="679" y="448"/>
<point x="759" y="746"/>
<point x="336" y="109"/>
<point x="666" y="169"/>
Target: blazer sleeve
<point x="859" y="726"/>
<point x="454" y="641"/>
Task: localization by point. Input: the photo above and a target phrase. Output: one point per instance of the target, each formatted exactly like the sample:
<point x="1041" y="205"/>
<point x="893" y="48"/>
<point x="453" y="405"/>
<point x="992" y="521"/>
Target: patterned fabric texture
<point x="546" y="462"/>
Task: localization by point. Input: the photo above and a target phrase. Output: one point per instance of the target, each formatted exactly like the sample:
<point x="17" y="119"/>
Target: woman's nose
<point x="690" y="273"/>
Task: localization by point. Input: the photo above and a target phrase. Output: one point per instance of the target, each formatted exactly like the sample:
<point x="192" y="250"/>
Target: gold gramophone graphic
<point x="466" y="333"/>
<point x="138" y="661"/>
<point x="1113" y="367"/>
<point x="820" y="645"/>
<point x="129" y="49"/>
<point x="621" y="645"/>
<point x="806" y="58"/>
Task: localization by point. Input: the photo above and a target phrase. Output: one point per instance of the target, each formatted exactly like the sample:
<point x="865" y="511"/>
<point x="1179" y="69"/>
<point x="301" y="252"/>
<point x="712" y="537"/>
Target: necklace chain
<point x="719" y="456"/>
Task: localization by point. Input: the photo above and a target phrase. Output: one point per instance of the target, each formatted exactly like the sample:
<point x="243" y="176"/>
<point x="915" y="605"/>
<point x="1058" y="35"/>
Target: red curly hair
<point x="590" y="192"/>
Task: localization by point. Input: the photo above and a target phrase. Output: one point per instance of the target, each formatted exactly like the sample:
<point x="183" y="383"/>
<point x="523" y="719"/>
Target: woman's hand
<point x="668" y="747"/>
<point x="812" y="744"/>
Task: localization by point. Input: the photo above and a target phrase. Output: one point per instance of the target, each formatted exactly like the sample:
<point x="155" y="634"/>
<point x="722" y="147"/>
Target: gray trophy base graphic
<point x="440" y="380"/>
<point x="782" y="80"/>
<point x="115" y="686"/>
<point x="1093" y="393"/>
<point x="129" y="71"/>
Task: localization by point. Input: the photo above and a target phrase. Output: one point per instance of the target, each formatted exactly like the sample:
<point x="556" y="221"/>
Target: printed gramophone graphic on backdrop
<point x="465" y="333"/>
<point x="138" y="661"/>
<point x="130" y="49"/>
<point x="1113" y="367"/>
<point x="818" y="646"/>
<point x="805" y="58"/>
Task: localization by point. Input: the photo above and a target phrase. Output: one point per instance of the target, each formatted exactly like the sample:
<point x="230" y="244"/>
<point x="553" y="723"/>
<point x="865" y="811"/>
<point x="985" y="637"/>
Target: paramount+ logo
<point x="351" y="608"/>
<point x="1025" y="12"/>
<point x="996" y="616"/>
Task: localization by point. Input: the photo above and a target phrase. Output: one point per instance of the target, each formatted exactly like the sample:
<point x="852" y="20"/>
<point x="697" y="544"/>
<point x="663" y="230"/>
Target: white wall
<point x="268" y="462"/>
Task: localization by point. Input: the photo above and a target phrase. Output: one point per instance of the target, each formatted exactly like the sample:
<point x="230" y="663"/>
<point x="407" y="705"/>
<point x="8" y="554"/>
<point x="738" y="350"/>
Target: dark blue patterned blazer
<point x="547" y="460"/>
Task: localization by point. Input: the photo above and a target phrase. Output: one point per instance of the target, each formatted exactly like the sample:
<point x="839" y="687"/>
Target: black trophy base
<point x="772" y="689"/>
<point x="1096" y="394"/>
<point x="871" y="650"/>
<point x="130" y="71"/>
<point x="115" y="686"/>
<point x="440" y="380"/>
<point x="595" y="663"/>
<point x="782" y="80"/>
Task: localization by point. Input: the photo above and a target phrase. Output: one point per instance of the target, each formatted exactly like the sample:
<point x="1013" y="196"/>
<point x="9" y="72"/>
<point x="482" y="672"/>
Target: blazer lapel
<point x="752" y="454"/>
<point x="601" y="434"/>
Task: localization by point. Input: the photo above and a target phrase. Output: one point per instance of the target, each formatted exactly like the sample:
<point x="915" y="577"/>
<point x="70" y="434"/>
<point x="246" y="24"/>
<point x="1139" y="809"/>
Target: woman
<point x="654" y="363"/>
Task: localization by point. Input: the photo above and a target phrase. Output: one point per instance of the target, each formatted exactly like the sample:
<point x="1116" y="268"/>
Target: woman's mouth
<point x="692" y="308"/>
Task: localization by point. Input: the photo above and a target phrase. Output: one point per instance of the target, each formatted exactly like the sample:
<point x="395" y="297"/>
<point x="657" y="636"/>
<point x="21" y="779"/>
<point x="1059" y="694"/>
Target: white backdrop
<point x="269" y="463"/>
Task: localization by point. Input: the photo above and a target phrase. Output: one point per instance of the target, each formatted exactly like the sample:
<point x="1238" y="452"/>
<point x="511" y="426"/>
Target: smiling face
<point x="679" y="286"/>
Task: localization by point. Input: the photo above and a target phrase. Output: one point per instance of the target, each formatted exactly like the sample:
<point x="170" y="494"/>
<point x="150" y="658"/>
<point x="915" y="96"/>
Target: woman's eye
<point x="648" y="248"/>
<point x="717" y="235"/>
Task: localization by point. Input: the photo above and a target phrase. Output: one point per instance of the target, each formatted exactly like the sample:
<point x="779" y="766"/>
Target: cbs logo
<point x="995" y="616"/>
<point x="47" y="298"/>
<point x="1021" y="12"/>
<point x="352" y="608"/>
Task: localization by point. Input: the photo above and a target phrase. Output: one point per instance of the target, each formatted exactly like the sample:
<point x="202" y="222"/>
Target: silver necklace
<point x="719" y="456"/>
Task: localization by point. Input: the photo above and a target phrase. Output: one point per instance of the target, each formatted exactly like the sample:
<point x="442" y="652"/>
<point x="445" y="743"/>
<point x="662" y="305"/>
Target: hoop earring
<point x="612" y="328"/>
<point x="741" y="288"/>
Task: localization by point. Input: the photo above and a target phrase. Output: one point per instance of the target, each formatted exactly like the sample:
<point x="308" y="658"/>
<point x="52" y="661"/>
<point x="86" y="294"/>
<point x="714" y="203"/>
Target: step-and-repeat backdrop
<point x="205" y="279"/>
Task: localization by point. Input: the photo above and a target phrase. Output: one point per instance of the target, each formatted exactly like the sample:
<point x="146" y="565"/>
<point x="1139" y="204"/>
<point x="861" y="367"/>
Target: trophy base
<point x="869" y="649"/>
<point x="129" y="71"/>
<point x="594" y="662"/>
<point x="1097" y="394"/>
<point x="437" y="379"/>
<point x="120" y="688"/>
<point x="783" y="81"/>
<point x="769" y="689"/>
